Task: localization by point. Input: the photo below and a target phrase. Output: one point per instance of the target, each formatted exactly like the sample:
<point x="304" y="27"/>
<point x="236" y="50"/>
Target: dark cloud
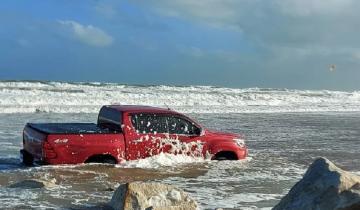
<point x="290" y="36"/>
<point x="293" y="23"/>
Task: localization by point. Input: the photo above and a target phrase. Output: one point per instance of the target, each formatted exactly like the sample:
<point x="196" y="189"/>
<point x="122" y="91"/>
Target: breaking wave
<point x="61" y="97"/>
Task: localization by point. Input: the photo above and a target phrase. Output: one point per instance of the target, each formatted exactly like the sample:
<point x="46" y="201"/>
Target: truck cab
<point x="126" y="132"/>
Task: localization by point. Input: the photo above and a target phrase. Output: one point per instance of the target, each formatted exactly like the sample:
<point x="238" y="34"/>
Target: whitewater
<point x="285" y="130"/>
<point x="62" y="97"/>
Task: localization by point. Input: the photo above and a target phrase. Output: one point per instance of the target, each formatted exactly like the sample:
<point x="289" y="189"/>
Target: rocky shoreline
<point x="324" y="186"/>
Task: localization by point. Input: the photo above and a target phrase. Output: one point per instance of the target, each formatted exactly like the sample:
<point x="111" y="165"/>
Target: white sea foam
<point x="28" y="97"/>
<point x="357" y="173"/>
<point x="162" y="160"/>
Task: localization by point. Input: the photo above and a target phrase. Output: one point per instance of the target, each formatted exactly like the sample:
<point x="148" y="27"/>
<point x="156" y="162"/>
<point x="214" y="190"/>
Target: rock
<point x="33" y="183"/>
<point x="323" y="187"/>
<point x="151" y="196"/>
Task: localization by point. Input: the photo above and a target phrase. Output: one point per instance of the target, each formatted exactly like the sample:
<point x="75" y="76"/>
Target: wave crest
<point x="61" y="97"/>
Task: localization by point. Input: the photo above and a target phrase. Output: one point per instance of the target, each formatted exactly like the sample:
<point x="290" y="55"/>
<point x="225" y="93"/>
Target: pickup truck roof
<point x="137" y="108"/>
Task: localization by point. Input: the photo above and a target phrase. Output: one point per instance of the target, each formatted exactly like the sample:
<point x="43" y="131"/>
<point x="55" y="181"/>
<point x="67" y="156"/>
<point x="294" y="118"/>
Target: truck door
<point x="185" y="136"/>
<point x="145" y="134"/>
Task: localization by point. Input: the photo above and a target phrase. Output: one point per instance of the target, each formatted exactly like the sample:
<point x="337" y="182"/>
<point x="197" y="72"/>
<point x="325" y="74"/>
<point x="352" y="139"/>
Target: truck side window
<point x="110" y="118"/>
<point x="149" y="123"/>
<point x="182" y="126"/>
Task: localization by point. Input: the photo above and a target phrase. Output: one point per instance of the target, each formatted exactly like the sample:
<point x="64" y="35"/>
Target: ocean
<point x="285" y="131"/>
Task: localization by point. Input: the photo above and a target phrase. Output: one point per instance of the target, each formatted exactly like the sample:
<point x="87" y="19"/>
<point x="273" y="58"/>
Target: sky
<point x="295" y="44"/>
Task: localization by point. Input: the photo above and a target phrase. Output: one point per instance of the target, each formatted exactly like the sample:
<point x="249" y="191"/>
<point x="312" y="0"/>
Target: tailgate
<point x="33" y="141"/>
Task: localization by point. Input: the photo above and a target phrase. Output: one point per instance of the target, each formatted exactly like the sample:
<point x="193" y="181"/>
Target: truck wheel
<point x="221" y="158"/>
<point x="101" y="159"/>
<point x="27" y="159"/>
<point x="109" y="161"/>
<point x="225" y="155"/>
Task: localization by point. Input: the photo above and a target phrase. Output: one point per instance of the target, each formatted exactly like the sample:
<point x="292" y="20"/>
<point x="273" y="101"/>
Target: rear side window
<point x="110" y="118"/>
<point x="149" y="123"/>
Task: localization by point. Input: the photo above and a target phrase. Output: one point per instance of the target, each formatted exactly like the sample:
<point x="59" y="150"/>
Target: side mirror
<point x="202" y="132"/>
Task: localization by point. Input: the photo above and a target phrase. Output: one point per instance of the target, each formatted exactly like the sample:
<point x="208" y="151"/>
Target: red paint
<point x="129" y="144"/>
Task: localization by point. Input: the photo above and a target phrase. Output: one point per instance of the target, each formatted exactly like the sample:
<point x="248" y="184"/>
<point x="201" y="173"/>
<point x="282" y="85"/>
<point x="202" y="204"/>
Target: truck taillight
<point x="48" y="151"/>
<point x="47" y="145"/>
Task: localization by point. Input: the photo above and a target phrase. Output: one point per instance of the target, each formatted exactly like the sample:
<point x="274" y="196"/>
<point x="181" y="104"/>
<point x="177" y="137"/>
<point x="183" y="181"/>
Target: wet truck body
<point x="126" y="132"/>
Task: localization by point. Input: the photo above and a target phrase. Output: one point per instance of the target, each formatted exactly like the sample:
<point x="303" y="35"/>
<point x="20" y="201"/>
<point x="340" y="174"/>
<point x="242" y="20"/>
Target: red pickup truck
<point x="125" y="132"/>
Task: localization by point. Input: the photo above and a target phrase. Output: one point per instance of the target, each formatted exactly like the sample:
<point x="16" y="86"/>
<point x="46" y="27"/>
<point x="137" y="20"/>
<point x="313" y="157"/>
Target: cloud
<point x="213" y="12"/>
<point x="295" y="25"/>
<point x="89" y="34"/>
<point x="314" y="7"/>
<point x="192" y="51"/>
<point x="292" y="41"/>
<point x="196" y="52"/>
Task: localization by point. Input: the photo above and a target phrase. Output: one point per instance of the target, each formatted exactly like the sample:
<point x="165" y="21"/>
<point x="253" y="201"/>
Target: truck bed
<point x="70" y="128"/>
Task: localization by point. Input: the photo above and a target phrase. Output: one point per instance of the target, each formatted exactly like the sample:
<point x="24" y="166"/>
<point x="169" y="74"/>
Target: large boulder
<point x="151" y="196"/>
<point x="323" y="187"/>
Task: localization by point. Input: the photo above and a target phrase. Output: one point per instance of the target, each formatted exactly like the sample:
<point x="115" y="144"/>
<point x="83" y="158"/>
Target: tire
<point x="109" y="161"/>
<point x="101" y="159"/>
<point x="221" y="158"/>
<point x="27" y="158"/>
<point x="225" y="155"/>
